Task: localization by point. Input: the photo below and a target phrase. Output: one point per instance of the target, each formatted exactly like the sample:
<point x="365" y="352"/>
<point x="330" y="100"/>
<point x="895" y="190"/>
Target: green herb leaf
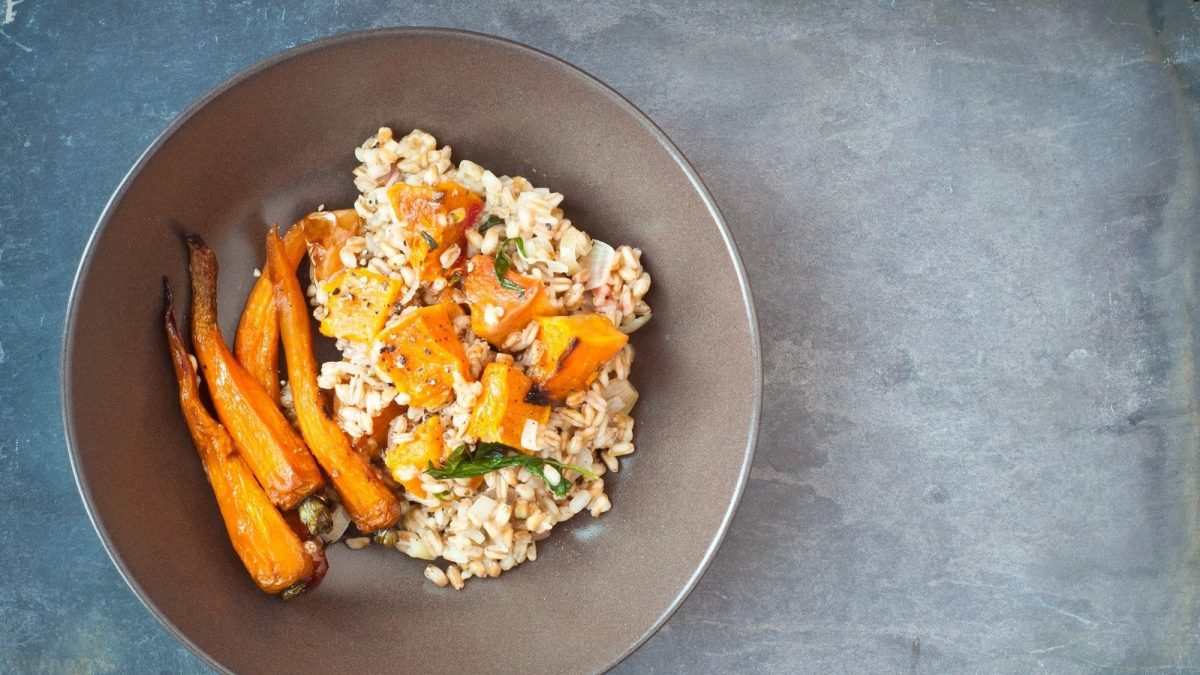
<point x="429" y="240"/>
<point x="503" y="263"/>
<point x="520" y="246"/>
<point x="488" y="457"/>
<point x="492" y="221"/>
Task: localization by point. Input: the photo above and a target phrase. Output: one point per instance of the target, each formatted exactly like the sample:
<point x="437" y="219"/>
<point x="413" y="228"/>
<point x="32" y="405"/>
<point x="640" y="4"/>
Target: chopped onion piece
<point x="529" y="435"/>
<point x="341" y="522"/>
<point x="419" y="549"/>
<point x="482" y="508"/>
<point x="624" y="392"/>
<point x="598" y="262"/>
<point x="571" y="245"/>
<point x="633" y="324"/>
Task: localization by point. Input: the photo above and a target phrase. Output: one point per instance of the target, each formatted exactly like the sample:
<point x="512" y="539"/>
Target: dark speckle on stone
<point x="898" y="368"/>
<point x="936" y="494"/>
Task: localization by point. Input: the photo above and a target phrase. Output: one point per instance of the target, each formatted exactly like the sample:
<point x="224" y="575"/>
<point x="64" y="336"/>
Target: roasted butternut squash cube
<point x="406" y="461"/>
<point x="421" y="354"/>
<point x="373" y="444"/>
<point x="502" y="412"/>
<point x="497" y="311"/>
<point x="359" y="303"/>
<point x="435" y="219"/>
<point x="575" y="348"/>
<point x="326" y="233"/>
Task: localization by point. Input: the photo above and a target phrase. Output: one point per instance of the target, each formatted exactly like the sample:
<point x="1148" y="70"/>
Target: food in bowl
<point x="482" y="391"/>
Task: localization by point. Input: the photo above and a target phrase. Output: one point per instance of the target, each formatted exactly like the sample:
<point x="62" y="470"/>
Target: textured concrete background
<point x="972" y="233"/>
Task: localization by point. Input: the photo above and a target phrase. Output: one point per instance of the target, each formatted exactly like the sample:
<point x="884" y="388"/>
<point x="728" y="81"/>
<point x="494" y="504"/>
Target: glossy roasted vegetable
<point x="326" y="233"/>
<point x="315" y="515"/>
<point x="274" y="451"/>
<point x="359" y="303"/>
<point x="502" y="414"/>
<point x="373" y="444"/>
<point x="407" y="460"/>
<point x="268" y="548"/>
<point x="496" y="309"/>
<point x="438" y="218"/>
<point x="367" y="499"/>
<point x="256" y="344"/>
<point x="575" y="347"/>
<point x="421" y="353"/>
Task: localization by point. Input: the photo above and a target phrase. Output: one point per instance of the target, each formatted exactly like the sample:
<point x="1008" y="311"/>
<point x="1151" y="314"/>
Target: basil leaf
<point x="430" y="241"/>
<point x="520" y="246"/>
<point x="489" y="457"/>
<point x="503" y="263"/>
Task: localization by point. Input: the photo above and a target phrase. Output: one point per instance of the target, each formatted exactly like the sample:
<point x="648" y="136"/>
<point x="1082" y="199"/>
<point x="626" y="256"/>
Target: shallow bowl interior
<point x="273" y="144"/>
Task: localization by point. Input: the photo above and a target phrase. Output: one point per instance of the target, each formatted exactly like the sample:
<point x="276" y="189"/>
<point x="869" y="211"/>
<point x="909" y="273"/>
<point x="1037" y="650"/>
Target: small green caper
<point x="293" y="591"/>
<point x="385" y="537"/>
<point x="314" y="513"/>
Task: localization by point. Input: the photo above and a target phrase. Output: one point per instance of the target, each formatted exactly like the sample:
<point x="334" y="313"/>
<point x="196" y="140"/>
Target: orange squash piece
<point x="428" y="446"/>
<point x="576" y="347"/>
<point x="268" y="547"/>
<point x="373" y="444"/>
<point x="439" y="215"/>
<point x="518" y="307"/>
<point x="274" y="451"/>
<point x="359" y="303"/>
<point x="326" y="233"/>
<point x="257" y="342"/>
<point x="502" y="410"/>
<point x="367" y="499"/>
<point x="421" y="353"/>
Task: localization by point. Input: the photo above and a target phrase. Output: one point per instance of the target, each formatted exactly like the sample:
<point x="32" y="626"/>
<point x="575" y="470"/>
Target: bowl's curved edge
<point x="755" y="345"/>
<point x="65" y="384"/>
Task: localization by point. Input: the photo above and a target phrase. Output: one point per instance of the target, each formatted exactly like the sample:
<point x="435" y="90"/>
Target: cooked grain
<point x="490" y="528"/>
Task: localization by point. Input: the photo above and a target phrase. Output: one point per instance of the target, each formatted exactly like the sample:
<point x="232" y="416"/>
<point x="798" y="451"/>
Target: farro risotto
<point x="482" y="391"/>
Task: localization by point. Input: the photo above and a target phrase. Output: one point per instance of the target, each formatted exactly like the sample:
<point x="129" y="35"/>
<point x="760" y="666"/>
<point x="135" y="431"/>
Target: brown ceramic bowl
<point x="270" y="145"/>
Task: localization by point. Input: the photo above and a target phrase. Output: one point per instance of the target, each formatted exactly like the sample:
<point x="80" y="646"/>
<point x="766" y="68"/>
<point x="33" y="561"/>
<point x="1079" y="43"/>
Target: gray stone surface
<point x="972" y="233"/>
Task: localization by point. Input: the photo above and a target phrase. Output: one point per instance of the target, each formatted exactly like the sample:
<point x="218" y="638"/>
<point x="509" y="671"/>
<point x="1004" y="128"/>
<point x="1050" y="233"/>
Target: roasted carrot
<point x="275" y="453"/>
<point x="367" y="499"/>
<point x="271" y="552"/>
<point x="257" y="342"/>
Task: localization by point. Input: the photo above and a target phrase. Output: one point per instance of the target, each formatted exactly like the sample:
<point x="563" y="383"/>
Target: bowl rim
<point x="333" y="41"/>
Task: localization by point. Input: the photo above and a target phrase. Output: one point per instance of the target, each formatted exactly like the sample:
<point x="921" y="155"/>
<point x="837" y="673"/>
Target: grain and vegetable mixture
<point x="483" y="389"/>
<point x="485" y="356"/>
